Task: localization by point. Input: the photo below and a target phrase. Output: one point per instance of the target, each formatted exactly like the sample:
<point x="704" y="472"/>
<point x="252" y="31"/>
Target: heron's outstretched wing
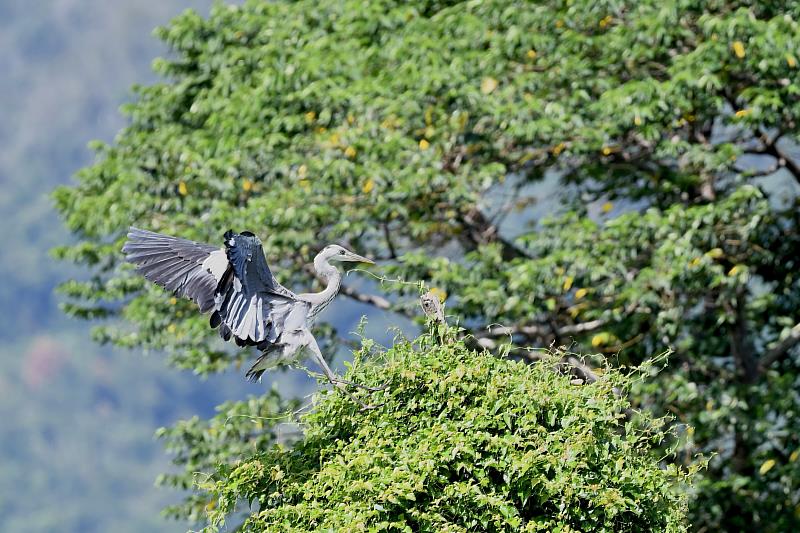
<point x="251" y="305"/>
<point x="185" y="267"/>
<point x="246" y="256"/>
<point x="235" y="282"/>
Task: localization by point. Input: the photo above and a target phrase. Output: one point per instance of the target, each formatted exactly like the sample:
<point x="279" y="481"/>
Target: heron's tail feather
<point x="269" y="359"/>
<point x="254" y="375"/>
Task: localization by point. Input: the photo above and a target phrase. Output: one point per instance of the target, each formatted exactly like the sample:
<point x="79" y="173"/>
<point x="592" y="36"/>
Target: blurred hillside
<point x="76" y="452"/>
<point x="67" y="66"/>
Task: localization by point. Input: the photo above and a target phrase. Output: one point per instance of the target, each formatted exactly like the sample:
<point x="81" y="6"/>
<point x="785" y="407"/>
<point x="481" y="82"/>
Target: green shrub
<point x="465" y="441"/>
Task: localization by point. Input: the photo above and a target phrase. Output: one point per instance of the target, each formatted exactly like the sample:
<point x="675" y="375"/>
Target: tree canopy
<point x="415" y="131"/>
<point x="462" y="441"/>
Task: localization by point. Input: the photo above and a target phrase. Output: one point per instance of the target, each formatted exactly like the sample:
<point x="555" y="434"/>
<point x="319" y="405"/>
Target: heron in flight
<point x="246" y="302"/>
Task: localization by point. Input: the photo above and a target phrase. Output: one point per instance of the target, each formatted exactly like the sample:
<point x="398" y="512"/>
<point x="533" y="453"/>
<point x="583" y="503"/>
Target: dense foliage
<point x="415" y="131"/>
<point x="463" y="441"/>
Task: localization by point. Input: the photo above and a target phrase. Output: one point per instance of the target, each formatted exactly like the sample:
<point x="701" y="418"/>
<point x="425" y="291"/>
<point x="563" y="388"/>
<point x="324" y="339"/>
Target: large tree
<point x="416" y="131"/>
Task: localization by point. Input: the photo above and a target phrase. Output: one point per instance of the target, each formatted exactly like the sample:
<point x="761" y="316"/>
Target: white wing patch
<point x="216" y="263"/>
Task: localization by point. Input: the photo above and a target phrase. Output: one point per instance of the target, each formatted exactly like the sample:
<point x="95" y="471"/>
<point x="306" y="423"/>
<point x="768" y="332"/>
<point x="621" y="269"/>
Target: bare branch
<point x="551" y="332"/>
<point x="389" y="243"/>
<point x="485" y="339"/>
<point x="494" y="331"/>
<point x="372" y="299"/>
<point x="781" y="349"/>
<point x="589" y="376"/>
<point x="480" y="231"/>
<point x="583" y="327"/>
<point x="583" y="371"/>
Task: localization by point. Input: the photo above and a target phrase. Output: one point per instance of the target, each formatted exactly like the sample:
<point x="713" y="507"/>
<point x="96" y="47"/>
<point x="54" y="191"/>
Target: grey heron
<point x="235" y="284"/>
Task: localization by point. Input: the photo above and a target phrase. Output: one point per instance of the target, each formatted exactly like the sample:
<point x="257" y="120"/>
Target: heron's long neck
<point x="333" y="277"/>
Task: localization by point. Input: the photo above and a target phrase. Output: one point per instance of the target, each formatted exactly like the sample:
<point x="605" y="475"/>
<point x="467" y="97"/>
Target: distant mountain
<point x="67" y="66"/>
<point x="76" y="452"/>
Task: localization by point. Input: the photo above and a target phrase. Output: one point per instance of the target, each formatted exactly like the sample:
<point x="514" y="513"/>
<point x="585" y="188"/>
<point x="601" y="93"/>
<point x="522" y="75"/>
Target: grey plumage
<point x="175" y="264"/>
<point x="250" y="305"/>
<point x="236" y="285"/>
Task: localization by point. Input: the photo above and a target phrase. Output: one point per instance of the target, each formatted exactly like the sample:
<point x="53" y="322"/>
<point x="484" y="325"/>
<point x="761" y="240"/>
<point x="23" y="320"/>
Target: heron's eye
<point x="341" y="252"/>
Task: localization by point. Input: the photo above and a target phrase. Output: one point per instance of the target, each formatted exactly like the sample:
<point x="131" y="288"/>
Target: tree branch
<point x="388" y="238"/>
<point x="741" y="344"/>
<point x="583" y="371"/>
<point x="780" y="349"/>
<point x="485" y="339"/>
<point x="589" y="376"/>
<point x="480" y="231"/>
<point x="372" y="299"/>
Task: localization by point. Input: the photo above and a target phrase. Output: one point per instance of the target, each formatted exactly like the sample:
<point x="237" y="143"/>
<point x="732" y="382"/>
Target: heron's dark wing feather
<point x="185" y="267"/>
<point x="251" y="305"/>
<point x="246" y="256"/>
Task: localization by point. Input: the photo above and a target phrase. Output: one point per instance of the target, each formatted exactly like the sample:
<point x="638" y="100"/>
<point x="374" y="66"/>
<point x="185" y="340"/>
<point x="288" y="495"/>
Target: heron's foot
<point x="339" y="382"/>
<point x="342" y="386"/>
<point x="369" y="407"/>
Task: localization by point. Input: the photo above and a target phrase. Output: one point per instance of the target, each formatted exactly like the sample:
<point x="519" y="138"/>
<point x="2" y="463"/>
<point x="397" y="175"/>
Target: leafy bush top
<point x="465" y="441"/>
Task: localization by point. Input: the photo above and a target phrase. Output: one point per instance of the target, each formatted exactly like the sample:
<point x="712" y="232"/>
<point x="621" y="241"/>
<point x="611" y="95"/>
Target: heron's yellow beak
<point x="355" y="258"/>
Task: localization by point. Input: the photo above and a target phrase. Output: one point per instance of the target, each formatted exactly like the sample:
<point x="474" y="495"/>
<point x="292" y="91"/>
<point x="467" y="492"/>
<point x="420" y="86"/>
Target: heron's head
<point x="334" y="252"/>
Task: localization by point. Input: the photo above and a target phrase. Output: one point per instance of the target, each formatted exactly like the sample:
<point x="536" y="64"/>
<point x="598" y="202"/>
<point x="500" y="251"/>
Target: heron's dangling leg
<point x="313" y="347"/>
<point x="338" y="382"/>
